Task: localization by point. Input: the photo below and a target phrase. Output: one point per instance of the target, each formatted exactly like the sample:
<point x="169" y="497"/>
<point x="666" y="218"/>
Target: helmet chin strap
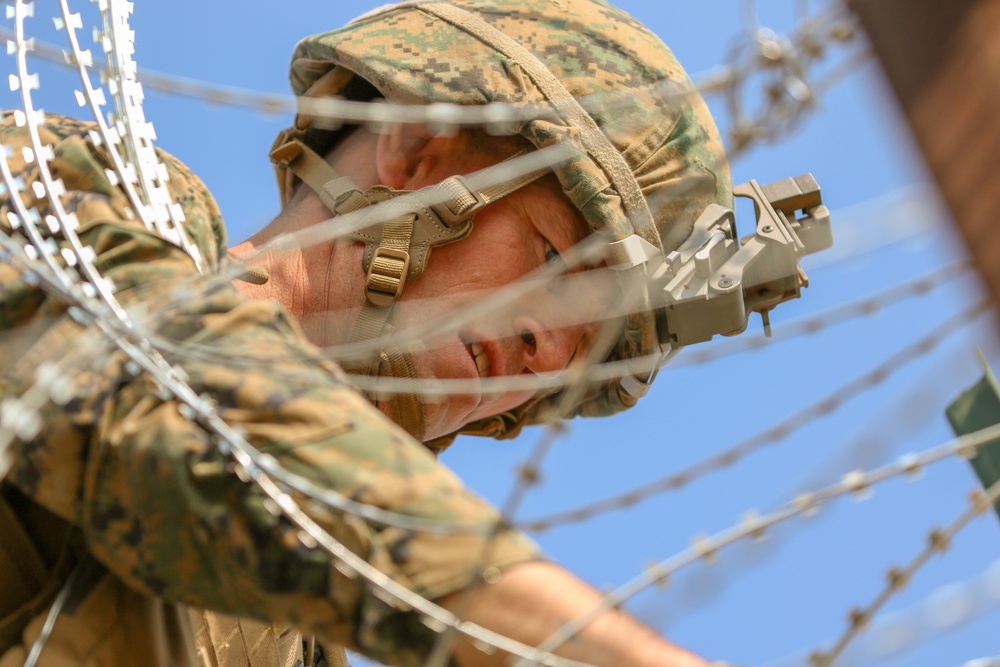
<point x="396" y="250"/>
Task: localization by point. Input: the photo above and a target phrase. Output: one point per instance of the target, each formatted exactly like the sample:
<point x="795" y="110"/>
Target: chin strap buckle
<point x="461" y="204"/>
<point x="386" y="276"/>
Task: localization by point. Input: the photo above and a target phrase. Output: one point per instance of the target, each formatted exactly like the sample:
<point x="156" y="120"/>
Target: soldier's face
<point x="538" y="332"/>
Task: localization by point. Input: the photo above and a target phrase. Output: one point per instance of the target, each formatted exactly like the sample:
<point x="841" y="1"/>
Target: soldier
<point x="123" y="510"/>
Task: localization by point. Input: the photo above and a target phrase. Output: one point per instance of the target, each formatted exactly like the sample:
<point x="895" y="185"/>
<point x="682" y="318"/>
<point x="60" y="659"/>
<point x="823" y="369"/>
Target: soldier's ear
<point x="408" y="157"/>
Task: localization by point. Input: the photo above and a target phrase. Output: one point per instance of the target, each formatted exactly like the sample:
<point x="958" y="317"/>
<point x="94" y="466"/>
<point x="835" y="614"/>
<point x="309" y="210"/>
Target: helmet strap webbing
<point x="338" y="193"/>
<point x="388" y="261"/>
<point x="386" y="273"/>
<point x="407" y="409"/>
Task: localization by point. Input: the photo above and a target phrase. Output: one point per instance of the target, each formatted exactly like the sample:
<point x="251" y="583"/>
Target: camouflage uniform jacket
<point x="119" y="473"/>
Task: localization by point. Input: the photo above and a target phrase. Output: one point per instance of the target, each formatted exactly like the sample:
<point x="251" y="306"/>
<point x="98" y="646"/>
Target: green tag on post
<point x="977" y="408"/>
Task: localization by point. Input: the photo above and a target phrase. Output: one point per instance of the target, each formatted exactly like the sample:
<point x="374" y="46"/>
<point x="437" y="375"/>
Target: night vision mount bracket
<point x="713" y="282"/>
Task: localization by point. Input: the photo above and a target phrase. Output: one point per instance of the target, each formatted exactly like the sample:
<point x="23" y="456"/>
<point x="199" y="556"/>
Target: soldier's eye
<point x="551" y="254"/>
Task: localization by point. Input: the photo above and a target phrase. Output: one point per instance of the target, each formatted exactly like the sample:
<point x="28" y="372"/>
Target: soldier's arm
<point x="532" y="600"/>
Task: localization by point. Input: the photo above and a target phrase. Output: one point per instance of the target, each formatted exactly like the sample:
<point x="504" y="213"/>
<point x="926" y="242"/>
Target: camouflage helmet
<point x="646" y="170"/>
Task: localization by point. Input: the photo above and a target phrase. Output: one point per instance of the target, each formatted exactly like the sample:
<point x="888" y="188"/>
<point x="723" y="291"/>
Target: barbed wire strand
<point x="938" y="541"/>
<point x="754" y="526"/>
<point x="201" y="410"/>
<point x="526" y="477"/>
<point x="795" y="53"/>
<point x="290" y="241"/>
<point x="443" y="115"/>
<point x="944" y="608"/>
<point x="901" y="216"/>
<point x="603" y="371"/>
<point x="252" y="467"/>
<point x="280" y="497"/>
<point x="578" y="256"/>
<point x="786" y="61"/>
<point x="866" y="307"/>
<point x="311" y="535"/>
<point x="800" y="419"/>
<point x="204" y="410"/>
<point x="529" y="473"/>
<point x="107" y="315"/>
<point x="894" y="424"/>
<point x="96" y="305"/>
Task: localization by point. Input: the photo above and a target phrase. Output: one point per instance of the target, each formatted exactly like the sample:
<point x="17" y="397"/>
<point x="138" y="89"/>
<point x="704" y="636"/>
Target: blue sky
<point x="759" y="604"/>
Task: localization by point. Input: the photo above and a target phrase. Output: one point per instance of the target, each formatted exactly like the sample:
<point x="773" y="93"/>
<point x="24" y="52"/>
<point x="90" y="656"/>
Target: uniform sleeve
<point x="166" y="511"/>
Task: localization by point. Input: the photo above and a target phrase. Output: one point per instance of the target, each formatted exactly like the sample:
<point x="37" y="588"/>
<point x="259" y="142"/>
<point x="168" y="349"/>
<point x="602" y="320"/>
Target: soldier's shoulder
<point x="81" y="157"/>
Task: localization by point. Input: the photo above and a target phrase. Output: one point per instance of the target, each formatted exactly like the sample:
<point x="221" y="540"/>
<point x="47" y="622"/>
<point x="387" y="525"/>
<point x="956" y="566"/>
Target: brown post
<point x="942" y="57"/>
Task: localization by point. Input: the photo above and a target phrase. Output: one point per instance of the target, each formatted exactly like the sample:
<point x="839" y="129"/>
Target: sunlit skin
<point x="510" y="239"/>
<point x="322" y="286"/>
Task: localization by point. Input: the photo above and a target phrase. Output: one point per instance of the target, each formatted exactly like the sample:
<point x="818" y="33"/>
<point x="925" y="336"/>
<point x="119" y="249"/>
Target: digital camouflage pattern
<point x="497" y="51"/>
<point x="145" y="490"/>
